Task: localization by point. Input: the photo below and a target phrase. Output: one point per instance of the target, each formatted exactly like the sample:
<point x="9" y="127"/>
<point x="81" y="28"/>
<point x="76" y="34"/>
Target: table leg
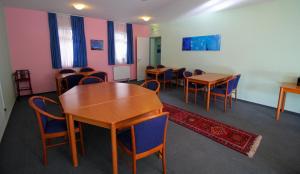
<point x="72" y="139"/>
<point x="187" y="91"/>
<point x="279" y="104"/>
<point x="156" y="77"/>
<point x="283" y="101"/>
<point x="208" y="98"/>
<point x="114" y="149"/>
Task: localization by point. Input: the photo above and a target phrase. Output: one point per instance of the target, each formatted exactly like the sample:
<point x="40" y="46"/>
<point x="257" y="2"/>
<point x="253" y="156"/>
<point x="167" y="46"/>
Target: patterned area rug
<point x="237" y="139"/>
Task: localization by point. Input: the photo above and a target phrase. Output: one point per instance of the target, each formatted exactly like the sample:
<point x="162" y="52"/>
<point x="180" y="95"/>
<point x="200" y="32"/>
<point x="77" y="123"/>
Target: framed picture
<point x="96" y="44"/>
<point x="202" y="43"/>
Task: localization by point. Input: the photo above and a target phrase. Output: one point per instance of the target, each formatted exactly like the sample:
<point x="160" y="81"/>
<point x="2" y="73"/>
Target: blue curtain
<point x="111" y="42"/>
<point x="129" y="44"/>
<point x="79" y="45"/>
<point x="54" y="41"/>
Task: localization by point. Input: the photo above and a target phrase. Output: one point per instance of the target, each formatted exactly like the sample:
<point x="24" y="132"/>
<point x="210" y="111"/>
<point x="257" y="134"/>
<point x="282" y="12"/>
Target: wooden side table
<point x="23" y="76"/>
<point x="284" y="89"/>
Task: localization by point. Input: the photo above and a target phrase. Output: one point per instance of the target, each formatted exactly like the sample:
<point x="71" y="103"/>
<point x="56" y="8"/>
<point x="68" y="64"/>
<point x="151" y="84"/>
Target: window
<point x="65" y="40"/>
<point x="120" y="43"/>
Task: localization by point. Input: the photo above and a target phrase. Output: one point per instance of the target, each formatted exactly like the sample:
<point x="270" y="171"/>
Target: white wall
<point x="262" y="42"/>
<point x="7" y="95"/>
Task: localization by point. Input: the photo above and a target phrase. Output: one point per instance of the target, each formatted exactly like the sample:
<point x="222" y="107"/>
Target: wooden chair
<point x="102" y="75"/>
<point x="179" y="76"/>
<point x="166" y="78"/>
<point x="160" y="66"/>
<point x="150" y="76"/>
<point x="86" y="69"/>
<point x="224" y="90"/>
<point x="66" y="71"/>
<point x="150" y="67"/>
<point x="153" y="85"/>
<point x="90" y="80"/>
<point x="198" y="72"/>
<point x="237" y="79"/>
<point x="52" y="126"/>
<point x="193" y="87"/>
<point x="71" y="81"/>
<point x="146" y="136"/>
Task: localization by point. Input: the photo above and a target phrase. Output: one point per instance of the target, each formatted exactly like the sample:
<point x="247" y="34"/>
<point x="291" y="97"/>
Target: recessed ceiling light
<point x="145" y="18"/>
<point x="79" y="6"/>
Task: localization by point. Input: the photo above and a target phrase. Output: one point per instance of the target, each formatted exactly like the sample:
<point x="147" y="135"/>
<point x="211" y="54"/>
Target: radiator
<point x="121" y="73"/>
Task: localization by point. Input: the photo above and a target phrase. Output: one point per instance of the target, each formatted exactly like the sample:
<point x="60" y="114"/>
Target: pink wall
<point x="29" y="43"/>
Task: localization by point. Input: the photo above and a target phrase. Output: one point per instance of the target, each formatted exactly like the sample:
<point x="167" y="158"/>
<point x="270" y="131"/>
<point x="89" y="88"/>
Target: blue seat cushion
<point x="125" y="138"/>
<point x="219" y="90"/>
<point x="54" y="126"/>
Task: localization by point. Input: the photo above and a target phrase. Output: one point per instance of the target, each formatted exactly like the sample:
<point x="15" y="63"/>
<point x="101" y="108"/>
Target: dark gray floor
<point x="187" y="151"/>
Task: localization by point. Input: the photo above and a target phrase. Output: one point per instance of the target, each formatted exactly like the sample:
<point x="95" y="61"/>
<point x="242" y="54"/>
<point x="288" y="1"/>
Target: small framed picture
<point x="96" y="44"/>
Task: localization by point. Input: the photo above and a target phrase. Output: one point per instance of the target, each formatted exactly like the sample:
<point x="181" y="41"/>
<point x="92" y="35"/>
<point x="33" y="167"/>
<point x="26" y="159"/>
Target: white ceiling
<point x="124" y="10"/>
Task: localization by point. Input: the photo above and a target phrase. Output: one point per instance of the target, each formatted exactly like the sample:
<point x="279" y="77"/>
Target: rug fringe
<point x="254" y="146"/>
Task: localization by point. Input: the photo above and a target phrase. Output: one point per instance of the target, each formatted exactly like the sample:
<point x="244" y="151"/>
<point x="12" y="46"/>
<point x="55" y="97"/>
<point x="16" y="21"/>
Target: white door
<point x="142" y="56"/>
<point x="2" y="114"/>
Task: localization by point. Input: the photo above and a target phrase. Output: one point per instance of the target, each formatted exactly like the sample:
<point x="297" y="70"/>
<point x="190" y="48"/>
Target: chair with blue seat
<point x="51" y="126"/>
<point x="145" y="137"/>
<point x="90" y="80"/>
<point x="71" y="81"/>
<point x="86" y="69"/>
<point x="179" y="76"/>
<point x="224" y="90"/>
<point x="150" y="76"/>
<point x="66" y="71"/>
<point x="153" y="85"/>
<point x="198" y="72"/>
<point x="160" y="66"/>
<point x="237" y="79"/>
<point x="192" y="87"/>
<point x="102" y="75"/>
<point x="167" y="77"/>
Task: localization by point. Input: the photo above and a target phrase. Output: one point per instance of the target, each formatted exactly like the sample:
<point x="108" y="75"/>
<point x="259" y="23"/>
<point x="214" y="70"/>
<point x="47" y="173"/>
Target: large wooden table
<point x="159" y="71"/>
<point x="284" y="89"/>
<point x="107" y="105"/>
<point x="208" y="79"/>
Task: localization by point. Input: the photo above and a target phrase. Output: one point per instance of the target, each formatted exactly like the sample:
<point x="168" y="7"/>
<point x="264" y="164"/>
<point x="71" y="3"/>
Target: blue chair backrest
<point x="153" y="85"/>
<point x="187" y="74"/>
<point x="237" y="78"/>
<point x="198" y="72"/>
<point x="86" y="69"/>
<point x="180" y="73"/>
<point x="169" y="74"/>
<point x="160" y="66"/>
<point x="91" y="80"/>
<point x="150" y="67"/>
<point x="150" y="133"/>
<point x="73" y="80"/>
<point x="66" y="71"/>
<point x="41" y="105"/>
<point x="231" y="84"/>
<point x="101" y="75"/>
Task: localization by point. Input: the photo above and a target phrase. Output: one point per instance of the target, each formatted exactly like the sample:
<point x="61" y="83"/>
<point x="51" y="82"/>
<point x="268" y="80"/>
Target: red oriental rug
<point x="237" y="139"/>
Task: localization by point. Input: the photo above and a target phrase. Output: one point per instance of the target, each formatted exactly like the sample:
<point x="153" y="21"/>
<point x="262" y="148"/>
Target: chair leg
<point x="235" y="95"/>
<point x="164" y="161"/>
<point x="225" y="103"/>
<point x="81" y="139"/>
<point x="215" y="99"/>
<point x="133" y="165"/>
<point x="45" y="160"/>
<point x="195" y="97"/>
<point x="230" y="102"/>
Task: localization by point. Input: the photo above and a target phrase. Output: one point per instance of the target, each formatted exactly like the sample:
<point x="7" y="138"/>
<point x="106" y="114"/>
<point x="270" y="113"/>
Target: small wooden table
<point x="59" y="77"/>
<point x="207" y="79"/>
<point x="107" y="105"/>
<point x="159" y="71"/>
<point x="285" y="88"/>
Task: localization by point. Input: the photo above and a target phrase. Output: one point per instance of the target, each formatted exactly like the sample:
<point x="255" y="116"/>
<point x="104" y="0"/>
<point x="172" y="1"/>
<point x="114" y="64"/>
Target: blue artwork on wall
<point x="202" y="43"/>
<point x="96" y="44"/>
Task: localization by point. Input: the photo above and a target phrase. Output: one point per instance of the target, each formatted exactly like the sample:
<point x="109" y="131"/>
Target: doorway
<point x="155" y="51"/>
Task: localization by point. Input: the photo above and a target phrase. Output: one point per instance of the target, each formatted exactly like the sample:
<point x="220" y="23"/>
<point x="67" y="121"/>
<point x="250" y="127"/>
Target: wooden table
<point x="107" y="105"/>
<point x="207" y="79"/>
<point x="159" y="71"/>
<point x="59" y="77"/>
<point x="285" y="88"/>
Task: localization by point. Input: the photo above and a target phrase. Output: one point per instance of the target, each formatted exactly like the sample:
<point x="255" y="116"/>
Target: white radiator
<point x="121" y="73"/>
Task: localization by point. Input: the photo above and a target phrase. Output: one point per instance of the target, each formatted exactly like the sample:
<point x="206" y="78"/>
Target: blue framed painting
<point x="96" y="44"/>
<point x="202" y="43"/>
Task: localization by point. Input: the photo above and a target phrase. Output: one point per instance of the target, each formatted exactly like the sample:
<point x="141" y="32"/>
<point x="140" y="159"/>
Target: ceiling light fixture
<point x="146" y="18"/>
<point x="79" y="6"/>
